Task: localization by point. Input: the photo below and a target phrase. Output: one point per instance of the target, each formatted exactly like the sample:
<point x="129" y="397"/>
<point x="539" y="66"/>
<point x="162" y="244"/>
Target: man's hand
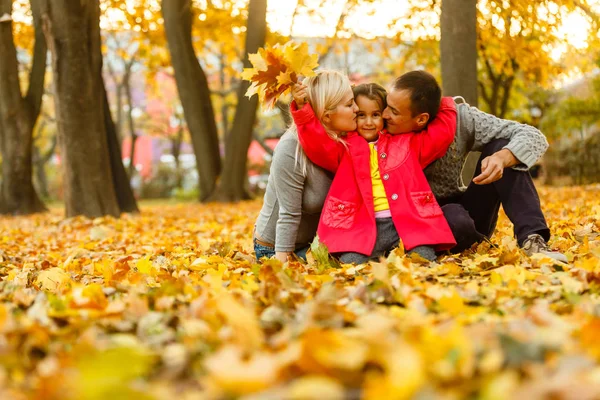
<point x="299" y="94"/>
<point x="492" y="167"/>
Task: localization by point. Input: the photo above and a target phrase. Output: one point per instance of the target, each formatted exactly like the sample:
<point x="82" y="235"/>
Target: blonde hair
<point x="326" y="91"/>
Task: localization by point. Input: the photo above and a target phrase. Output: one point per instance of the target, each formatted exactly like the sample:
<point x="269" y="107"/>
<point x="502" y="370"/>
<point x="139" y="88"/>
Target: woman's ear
<point x="326" y="117"/>
<point x="422" y="119"/>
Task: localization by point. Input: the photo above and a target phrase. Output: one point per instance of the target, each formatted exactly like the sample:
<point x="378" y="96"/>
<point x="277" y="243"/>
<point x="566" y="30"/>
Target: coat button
<point x="341" y="207"/>
<point x="428" y="198"/>
<point x="386" y="177"/>
<point x="383" y="155"/>
<point x="394" y="196"/>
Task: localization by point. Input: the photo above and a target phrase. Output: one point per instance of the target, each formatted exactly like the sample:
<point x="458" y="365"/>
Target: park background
<point x="536" y="63"/>
<point x="136" y="279"/>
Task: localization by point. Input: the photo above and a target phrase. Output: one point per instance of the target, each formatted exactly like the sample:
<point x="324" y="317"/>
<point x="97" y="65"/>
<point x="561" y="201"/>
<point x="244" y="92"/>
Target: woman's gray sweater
<point x="293" y="201"/>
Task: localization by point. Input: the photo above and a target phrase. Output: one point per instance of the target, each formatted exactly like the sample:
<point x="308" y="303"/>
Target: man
<point x="508" y="150"/>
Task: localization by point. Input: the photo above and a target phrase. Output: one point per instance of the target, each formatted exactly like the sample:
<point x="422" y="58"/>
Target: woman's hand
<point x="299" y="94"/>
<point x="282" y="256"/>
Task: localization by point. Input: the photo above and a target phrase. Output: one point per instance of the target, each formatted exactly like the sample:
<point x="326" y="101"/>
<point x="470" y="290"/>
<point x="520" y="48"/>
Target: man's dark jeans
<point x="473" y="215"/>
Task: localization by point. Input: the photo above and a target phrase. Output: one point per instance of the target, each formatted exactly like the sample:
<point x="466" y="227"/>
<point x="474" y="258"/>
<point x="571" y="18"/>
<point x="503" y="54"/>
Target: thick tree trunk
<point x="194" y="93"/>
<point x="73" y="35"/>
<point x="458" y="49"/>
<point x="120" y="179"/>
<point x="18" y="116"/>
<point x="234" y="181"/>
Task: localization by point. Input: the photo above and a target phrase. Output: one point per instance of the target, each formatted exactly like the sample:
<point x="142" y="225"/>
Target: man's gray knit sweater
<point x="474" y="129"/>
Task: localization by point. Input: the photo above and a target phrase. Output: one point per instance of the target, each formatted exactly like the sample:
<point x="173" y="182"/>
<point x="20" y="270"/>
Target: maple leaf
<point x="275" y="69"/>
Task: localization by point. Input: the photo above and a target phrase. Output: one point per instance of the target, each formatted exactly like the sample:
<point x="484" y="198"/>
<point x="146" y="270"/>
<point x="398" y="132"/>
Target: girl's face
<point x="369" y="119"/>
<point x="343" y="117"/>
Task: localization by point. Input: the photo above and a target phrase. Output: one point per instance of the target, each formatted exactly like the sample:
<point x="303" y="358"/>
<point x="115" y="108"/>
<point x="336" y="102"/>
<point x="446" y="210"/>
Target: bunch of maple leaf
<point x="171" y="304"/>
<point x="276" y="68"/>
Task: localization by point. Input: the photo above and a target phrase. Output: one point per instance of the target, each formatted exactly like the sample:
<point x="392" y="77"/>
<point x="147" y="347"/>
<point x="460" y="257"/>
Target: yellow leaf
<point x="589" y="335"/>
<point x="144" y="265"/>
<point x="300" y="61"/>
<point x="109" y="374"/>
<point x="243" y="320"/>
<point x="403" y="374"/>
<point x="53" y="279"/>
<point x="315" y="388"/>
<point x="453" y="304"/>
<point x="238" y="375"/>
<point x="324" y="349"/>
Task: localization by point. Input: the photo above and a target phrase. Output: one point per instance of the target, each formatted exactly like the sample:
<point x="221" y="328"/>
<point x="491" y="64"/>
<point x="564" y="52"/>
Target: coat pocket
<point x="426" y="204"/>
<point x="339" y="213"/>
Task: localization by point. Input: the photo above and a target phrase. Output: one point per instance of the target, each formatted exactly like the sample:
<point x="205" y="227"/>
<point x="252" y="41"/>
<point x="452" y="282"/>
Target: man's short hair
<point x="425" y="92"/>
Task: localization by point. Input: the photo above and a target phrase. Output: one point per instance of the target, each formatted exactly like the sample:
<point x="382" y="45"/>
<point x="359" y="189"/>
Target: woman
<point x="297" y="188"/>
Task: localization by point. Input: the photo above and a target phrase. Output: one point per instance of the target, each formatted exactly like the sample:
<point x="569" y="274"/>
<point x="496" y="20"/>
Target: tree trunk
<point x="224" y="93"/>
<point x="18" y="116"/>
<point x="176" y="152"/>
<point x="194" y="93"/>
<point x="73" y="34"/>
<point x="235" y="177"/>
<point x="120" y="179"/>
<point x="458" y="49"/>
<point x="119" y="122"/>
<point x="132" y="134"/>
<point x="40" y="160"/>
<point x="40" y="181"/>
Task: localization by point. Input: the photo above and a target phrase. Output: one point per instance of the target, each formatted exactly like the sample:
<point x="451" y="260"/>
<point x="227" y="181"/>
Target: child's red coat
<point x="348" y="219"/>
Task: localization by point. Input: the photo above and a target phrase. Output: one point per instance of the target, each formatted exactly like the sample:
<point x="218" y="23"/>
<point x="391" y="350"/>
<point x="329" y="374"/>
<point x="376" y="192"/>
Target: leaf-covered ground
<point x="170" y="304"/>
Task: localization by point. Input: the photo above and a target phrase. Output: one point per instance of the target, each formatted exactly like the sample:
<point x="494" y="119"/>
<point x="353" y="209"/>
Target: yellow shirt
<point x="379" y="198"/>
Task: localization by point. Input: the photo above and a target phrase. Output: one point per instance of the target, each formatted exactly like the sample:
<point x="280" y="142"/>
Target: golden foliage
<point x="276" y="68"/>
<point x="171" y="303"/>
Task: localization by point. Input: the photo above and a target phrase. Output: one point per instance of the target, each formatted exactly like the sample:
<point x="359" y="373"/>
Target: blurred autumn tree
<point x="18" y="114"/>
<point x="207" y="44"/>
<point x="95" y="182"/>
<point x="515" y="40"/>
<point x="194" y="92"/>
<point x="133" y="41"/>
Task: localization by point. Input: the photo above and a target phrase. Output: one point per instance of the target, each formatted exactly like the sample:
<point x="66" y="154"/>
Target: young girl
<point x="297" y="188"/>
<point x="379" y="194"/>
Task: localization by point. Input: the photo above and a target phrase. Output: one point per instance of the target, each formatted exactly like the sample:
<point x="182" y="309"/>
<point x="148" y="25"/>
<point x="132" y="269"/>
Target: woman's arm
<point x="289" y="188"/>
<point x="433" y="142"/>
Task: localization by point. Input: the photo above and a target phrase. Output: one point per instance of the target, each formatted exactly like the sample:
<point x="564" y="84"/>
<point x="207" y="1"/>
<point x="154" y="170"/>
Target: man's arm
<point x="433" y="142"/>
<point x="526" y="143"/>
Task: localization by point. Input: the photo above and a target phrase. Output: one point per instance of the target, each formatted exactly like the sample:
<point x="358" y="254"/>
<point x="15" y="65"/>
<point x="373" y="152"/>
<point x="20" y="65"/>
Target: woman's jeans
<point x="268" y="251"/>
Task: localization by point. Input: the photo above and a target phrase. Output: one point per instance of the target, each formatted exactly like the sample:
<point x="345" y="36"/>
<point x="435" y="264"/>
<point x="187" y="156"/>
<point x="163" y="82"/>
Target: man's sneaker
<point x="536" y="244"/>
